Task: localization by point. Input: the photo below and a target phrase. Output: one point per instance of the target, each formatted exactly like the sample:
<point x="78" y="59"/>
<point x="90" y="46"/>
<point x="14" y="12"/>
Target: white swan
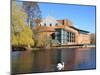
<point x="60" y="66"/>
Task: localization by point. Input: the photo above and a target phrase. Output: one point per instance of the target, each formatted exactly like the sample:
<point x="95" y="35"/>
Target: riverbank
<point x="55" y="47"/>
<point x="77" y="46"/>
<point x="68" y="46"/>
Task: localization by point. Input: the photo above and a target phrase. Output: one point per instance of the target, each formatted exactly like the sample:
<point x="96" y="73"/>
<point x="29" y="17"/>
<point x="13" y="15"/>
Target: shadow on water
<point x="47" y="60"/>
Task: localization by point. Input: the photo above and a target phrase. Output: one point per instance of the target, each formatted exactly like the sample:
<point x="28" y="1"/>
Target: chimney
<point x="65" y="22"/>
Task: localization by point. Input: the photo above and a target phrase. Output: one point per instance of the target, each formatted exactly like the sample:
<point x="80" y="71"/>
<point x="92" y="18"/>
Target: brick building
<point x="64" y="31"/>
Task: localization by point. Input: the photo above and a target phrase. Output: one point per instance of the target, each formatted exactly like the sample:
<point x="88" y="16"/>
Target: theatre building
<point x="64" y="31"/>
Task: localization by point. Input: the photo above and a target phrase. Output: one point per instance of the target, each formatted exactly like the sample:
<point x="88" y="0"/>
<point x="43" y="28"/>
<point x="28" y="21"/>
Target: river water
<point x="46" y="60"/>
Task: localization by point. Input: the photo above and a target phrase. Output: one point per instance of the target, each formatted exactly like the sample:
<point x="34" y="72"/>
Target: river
<point x="46" y="60"/>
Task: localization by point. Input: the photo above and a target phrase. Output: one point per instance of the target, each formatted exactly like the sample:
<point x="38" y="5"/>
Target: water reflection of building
<point x="64" y="31"/>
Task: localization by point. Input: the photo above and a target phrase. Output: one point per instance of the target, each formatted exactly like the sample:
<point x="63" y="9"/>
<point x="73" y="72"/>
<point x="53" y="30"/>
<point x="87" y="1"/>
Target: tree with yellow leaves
<point x="21" y="33"/>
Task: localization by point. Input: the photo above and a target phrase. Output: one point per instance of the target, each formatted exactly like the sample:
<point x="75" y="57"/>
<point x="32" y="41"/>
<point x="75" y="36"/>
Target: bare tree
<point x="33" y="11"/>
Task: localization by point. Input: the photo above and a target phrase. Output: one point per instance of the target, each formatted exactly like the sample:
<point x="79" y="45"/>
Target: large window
<point x="64" y="36"/>
<point x="70" y="37"/>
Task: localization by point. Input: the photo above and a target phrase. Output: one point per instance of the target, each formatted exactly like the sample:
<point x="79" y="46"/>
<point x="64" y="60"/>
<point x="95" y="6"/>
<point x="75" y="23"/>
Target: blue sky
<point x="82" y="16"/>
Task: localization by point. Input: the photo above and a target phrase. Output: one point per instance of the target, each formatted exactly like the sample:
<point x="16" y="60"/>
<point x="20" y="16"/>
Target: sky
<point x="82" y="16"/>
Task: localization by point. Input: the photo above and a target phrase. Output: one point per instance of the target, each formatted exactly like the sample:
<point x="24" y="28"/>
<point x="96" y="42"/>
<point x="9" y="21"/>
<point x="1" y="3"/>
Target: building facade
<point x="64" y="31"/>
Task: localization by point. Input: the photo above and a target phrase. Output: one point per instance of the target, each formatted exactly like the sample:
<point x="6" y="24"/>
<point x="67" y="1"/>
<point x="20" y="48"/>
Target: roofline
<point x="76" y="29"/>
<point x="79" y="29"/>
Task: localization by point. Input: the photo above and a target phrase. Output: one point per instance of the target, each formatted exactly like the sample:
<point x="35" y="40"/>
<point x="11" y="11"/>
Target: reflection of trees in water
<point x="23" y="63"/>
<point x="43" y="61"/>
<point x="15" y="58"/>
<point x="26" y="61"/>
